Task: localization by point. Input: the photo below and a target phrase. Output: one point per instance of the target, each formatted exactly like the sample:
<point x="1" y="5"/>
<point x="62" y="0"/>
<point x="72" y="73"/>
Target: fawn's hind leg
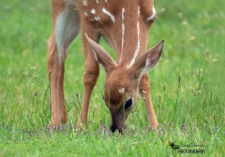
<point x="65" y="28"/>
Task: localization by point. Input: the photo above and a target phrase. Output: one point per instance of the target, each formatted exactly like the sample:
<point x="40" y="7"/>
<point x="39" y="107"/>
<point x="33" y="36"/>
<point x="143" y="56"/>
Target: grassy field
<point x="188" y="88"/>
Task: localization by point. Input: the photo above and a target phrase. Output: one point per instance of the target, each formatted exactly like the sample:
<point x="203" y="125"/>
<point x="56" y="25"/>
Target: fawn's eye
<point x="128" y="103"/>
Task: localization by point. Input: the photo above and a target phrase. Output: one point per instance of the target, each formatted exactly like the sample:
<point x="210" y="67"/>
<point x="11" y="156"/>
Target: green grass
<point x="187" y="86"/>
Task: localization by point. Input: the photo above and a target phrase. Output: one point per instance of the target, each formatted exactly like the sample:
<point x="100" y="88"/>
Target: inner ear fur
<point x="146" y="61"/>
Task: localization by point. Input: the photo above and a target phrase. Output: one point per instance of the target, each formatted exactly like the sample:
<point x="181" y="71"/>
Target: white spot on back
<point x="109" y="14"/>
<point x="85" y="14"/>
<point x="97" y="18"/>
<point x="93" y="11"/>
<point x="96" y="1"/>
<point x="152" y="16"/>
<point x="85" y="2"/>
<point x="138" y="40"/>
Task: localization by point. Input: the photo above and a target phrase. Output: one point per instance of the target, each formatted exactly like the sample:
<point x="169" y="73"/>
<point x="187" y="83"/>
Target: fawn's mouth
<point x="120" y="128"/>
<point x="114" y="127"/>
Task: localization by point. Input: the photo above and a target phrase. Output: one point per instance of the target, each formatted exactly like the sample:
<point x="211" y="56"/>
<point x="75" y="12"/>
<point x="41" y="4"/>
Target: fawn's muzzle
<point x="114" y="127"/>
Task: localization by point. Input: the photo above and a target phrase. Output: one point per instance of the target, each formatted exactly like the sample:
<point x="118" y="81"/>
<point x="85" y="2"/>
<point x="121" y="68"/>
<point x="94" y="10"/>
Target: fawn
<point x="124" y="25"/>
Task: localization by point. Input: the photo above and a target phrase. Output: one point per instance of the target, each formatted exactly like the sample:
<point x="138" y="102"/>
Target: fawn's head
<point x="122" y="82"/>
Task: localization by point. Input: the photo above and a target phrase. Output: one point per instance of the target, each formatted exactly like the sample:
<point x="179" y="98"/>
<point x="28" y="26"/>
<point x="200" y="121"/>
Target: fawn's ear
<point x="148" y="60"/>
<point x="101" y="55"/>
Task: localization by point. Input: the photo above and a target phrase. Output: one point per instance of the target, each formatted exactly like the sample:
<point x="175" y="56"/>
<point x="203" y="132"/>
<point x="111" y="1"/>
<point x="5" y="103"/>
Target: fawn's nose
<point x="114" y="127"/>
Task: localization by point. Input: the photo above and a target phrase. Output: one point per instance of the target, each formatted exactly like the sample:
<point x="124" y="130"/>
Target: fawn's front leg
<point x="144" y="89"/>
<point x="91" y="72"/>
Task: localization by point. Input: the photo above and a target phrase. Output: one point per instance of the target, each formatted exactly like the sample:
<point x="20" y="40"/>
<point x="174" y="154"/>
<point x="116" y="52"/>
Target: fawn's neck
<point x="128" y="34"/>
